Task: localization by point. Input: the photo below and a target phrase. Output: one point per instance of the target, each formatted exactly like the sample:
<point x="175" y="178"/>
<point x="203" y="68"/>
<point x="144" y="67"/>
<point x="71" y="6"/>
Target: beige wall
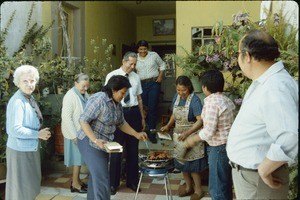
<point x="206" y="13"/>
<point x="144" y="29"/>
<point x="106" y="20"/>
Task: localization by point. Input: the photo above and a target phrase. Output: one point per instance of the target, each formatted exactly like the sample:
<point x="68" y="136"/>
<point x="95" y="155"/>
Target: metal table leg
<point x="169" y="187"/>
<point x="138" y="187"/>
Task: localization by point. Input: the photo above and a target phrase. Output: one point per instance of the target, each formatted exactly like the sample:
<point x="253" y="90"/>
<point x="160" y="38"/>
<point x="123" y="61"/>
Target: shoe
<point x="133" y="187"/>
<point x="152" y="138"/>
<point x="182" y="191"/>
<point x="84" y="185"/>
<point x="176" y="171"/>
<point x="113" y="190"/>
<point x="196" y="196"/>
<point x="81" y="190"/>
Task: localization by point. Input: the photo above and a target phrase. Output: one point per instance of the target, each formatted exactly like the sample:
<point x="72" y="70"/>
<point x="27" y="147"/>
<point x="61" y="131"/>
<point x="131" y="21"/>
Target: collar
<point x="122" y="72"/>
<point x="276" y="67"/>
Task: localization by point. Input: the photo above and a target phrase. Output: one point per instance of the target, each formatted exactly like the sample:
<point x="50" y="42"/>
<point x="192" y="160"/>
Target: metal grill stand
<point x="156" y="173"/>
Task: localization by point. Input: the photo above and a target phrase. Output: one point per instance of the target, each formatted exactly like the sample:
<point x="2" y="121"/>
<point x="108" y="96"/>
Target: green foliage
<point x="293" y="185"/>
<point x="99" y="67"/>
<point x="191" y="64"/>
<point x="222" y="53"/>
<point x="35" y="49"/>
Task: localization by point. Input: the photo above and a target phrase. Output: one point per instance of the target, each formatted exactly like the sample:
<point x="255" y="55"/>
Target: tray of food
<point x="158" y="156"/>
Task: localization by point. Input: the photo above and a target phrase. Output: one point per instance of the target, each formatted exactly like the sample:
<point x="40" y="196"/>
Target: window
<point x="200" y="36"/>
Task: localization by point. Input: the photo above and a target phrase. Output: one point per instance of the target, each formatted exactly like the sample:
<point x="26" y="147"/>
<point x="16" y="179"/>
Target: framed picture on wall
<point x="164" y="27"/>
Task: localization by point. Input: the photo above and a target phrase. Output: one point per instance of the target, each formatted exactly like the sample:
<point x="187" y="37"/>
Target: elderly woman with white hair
<point x="24" y="129"/>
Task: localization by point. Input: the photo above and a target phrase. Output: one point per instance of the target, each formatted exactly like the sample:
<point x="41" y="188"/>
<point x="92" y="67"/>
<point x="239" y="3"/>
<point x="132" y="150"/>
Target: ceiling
<point x="143" y="8"/>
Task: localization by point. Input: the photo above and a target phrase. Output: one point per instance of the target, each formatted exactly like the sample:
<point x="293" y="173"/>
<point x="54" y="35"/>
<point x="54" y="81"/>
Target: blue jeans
<point x="220" y="180"/>
<point x="150" y="96"/>
<point x="97" y="163"/>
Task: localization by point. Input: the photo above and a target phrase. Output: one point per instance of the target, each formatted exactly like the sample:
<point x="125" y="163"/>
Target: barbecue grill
<point x="156" y="168"/>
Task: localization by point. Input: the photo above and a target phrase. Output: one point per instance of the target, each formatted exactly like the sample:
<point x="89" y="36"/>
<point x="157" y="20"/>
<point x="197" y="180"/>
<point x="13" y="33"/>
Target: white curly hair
<point x="25" y="69"/>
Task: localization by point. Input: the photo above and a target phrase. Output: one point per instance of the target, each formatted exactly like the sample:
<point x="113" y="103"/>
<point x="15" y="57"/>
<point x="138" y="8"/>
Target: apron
<point x="180" y="114"/>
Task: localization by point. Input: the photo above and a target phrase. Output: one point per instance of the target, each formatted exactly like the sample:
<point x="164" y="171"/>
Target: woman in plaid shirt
<point x="101" y="116"/>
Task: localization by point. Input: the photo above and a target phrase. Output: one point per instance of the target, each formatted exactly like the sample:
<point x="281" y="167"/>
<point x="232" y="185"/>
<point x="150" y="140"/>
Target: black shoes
<point x="82" y="190"/>
<point x="133" y="187"/>
<point x="152" y="139"/>
<point x="113" y="190"/>
<point x="152" y="136"/>
<point x="84" y="185"/>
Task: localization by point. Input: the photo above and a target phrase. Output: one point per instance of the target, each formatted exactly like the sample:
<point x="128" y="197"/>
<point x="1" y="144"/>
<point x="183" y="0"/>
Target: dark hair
<point x="260" y="45"/>
<point x="129" y="54"/>
<point x="115" y="83"/>
<point x="213" y="80"/>
<point x="185" y="81"/>
<point x="142" y="43"/>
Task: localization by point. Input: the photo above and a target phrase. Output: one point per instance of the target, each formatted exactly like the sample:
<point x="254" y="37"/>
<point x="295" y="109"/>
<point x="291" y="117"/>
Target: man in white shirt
<point x="150" y="68"/>
<point x="263" y="139"/>
<point x="133" y="113"/>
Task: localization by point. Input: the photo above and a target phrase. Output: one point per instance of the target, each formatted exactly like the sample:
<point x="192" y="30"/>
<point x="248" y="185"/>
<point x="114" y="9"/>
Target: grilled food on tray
<point x="158" y="155"/>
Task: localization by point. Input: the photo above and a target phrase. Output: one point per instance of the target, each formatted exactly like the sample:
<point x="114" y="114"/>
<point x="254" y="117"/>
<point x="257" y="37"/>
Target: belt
<point x="129" y="108"/>
<point x="239" y="167"/>
<point x="149" y="79"/>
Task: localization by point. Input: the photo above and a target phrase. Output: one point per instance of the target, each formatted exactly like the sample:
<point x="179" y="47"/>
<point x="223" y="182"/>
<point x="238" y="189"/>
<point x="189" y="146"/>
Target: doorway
<point x="168" y="88"/>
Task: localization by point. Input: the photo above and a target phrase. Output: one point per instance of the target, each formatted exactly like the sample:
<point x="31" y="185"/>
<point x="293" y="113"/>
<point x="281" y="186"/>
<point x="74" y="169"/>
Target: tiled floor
<point x="56" y="187"/>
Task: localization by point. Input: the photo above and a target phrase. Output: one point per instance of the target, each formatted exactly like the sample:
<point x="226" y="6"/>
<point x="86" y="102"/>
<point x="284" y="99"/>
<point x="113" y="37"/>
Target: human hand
<point x="100" y="143"/>
<point x="272" y="182"/>
<point x="142" y="136"/>
<point x="192" y="141"/>
<point x="164" y="129"/>
<point x="265" y="170"/>
<point x="269" y="180"/>
<point x="44" y="134"/>
<point x="159" y="79"/>
<point x="182" y="136"/>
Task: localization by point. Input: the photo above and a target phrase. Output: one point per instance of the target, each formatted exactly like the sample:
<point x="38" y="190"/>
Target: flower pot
<point x="196" y="84"/>
<point x="58" y="140"/>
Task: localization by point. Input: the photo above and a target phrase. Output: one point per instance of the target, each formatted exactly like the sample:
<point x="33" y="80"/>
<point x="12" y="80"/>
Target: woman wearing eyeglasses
<point x="73" y="104"/>
<point x="24" y="129"/>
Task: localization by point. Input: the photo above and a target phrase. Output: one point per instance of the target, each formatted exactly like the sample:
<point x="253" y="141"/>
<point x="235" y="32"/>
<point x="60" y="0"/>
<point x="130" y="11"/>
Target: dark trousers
<point x="130" y="144"/>
<point x="150" y="96"/>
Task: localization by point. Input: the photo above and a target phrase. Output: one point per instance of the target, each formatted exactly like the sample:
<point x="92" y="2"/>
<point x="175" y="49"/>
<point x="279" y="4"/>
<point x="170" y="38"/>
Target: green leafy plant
<point x="100" y="66"/>
<point x="222" y="53"/>
<point x="35" y="49"/>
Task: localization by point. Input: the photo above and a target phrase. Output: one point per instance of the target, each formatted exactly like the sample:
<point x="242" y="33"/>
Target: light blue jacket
<point x="22" y="124"/>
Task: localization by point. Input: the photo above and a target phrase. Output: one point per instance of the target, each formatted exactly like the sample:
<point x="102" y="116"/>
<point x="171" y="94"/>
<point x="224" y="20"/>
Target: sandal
<point x="196" y="196"/>
<point x="182" y="191"/>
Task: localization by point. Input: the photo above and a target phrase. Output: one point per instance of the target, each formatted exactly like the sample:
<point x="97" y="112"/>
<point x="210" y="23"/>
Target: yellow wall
<point x="144" y="29"/>
<point x="46" y="15"/>
<point x="206" y="13"/>
<point x="106" y="20"/>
